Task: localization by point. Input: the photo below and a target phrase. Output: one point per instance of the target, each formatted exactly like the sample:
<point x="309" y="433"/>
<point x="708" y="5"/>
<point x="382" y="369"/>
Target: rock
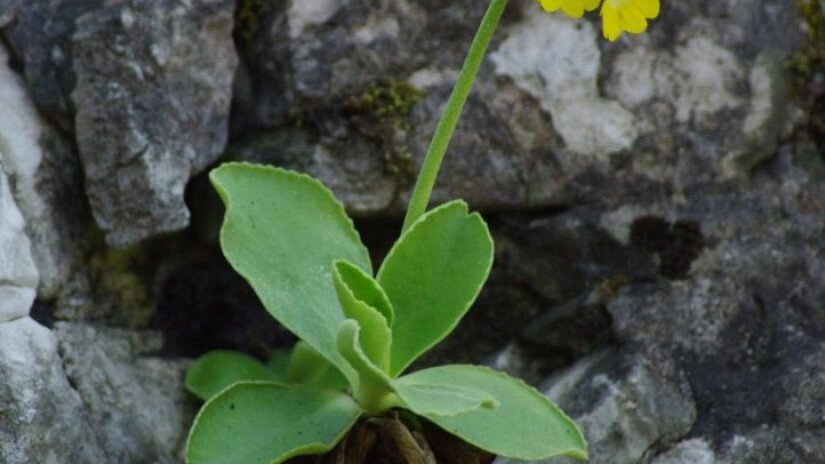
<point x="43" y="418"/>
<point x="555" y="110"/>
<point x="18" y="274"/>
<point x="152" y="96"/>
<point x="556" y="60"/>
<point x="136" y="401"/>
<point x="624" y="406"/>
<point x="694" y="451"/>
<point x="47" y="183"/>
<point x="358" y="181"/>
<point x="39" y="35"/>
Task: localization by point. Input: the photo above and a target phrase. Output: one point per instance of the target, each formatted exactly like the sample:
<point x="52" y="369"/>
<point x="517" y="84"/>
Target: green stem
<point x="452" y="111"/>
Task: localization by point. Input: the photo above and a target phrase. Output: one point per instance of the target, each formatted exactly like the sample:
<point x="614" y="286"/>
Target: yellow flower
<point x="627" y="16"/>
<point x="573" y="8"/>
<point x="617" y="15"/>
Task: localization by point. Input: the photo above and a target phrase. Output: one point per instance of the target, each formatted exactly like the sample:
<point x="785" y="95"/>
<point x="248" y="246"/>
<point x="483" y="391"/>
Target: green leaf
<point x="374" y="390"/>
<point x="308" y="367"/>
<point x="278" y="364"/>
<point x="441" y="400"/>
<point x="366" y="289"/>
<point x="263" y="422"/>
<point x="524" y="425"/>
<point x="282" y="231"/>
<point x="216" y="370"/>
<point x="375" y="335"/>
<point x="432" y="275"/>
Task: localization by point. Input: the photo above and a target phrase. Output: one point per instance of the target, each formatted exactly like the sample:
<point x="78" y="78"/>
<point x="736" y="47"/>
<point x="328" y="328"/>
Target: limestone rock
<point x="39" y="35"/>
<point x="136" y="402"/>
<point x="47" y="183"/>
<point x="43" y="419"/>
<point x="153" y="90"/>
<point x="18" y="274"/>
<point x="554" y="112"/>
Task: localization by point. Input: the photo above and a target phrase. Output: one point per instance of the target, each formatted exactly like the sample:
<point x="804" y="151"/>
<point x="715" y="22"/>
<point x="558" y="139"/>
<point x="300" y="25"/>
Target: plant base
<point x="389" y="440"/>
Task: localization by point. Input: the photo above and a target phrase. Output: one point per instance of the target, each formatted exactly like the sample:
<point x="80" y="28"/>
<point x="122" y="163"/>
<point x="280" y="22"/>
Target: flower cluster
<point x="617" y="15"/>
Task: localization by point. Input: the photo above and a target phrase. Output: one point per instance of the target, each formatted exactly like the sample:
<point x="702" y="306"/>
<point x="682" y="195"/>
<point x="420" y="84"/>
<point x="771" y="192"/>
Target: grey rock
<point x="358" y="181"/>
<point x="47" y="183"/>
<point x="555" y="111"/>
<point x="39" y="35"/>
<point x="694" y="451"/>
<point x="135" y="401"/>
<point x="43" y="419"/>
<point x="624" y="406"/>
<point x="152" y="95"/>
<point x="18" y="274"/>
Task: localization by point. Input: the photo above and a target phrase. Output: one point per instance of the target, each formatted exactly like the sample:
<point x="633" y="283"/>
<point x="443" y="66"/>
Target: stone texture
<point x="624" y="406"/>
<point x="560" y="109"/>
<point x="153" y="90"/>
<point x="47" y="183"/>
<point x="695" y="451"/>
<point x="135" y="401"/>
<point x="39" y="35"/>
<point x="18" y="274"/>
<point x="43" y="419"/>
<point x="657" y="205"/>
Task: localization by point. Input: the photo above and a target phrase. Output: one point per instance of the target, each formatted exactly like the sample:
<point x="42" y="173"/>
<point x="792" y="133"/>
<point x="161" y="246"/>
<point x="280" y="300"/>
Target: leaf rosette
<point x="288" y="236"/>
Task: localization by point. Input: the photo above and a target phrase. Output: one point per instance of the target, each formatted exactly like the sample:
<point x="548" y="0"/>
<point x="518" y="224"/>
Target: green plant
<point x="291" y="240"/>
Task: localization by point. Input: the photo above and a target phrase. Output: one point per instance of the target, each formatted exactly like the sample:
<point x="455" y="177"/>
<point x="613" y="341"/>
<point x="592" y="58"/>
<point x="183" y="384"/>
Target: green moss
<point x="382" y="110"/>
<point x="389" y="102"/>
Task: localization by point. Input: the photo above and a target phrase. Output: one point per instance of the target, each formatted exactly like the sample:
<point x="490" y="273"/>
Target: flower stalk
<point x="451" y="114"/>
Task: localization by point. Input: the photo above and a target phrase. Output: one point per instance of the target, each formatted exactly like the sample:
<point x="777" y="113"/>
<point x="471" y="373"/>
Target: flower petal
<point x="573" y="8"/>
<point x="550" y="5"/>
<point x="649" y="8"/>
<point x="632" y="20"/>
<point x="611" y="26"/>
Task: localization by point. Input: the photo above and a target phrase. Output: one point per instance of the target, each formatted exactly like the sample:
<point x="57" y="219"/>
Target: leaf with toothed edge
<point x="524" y="424"/>
<point x="264" y="422"/>
<point x="282" y="231"/>
<point x="375" y="335"/>
<point x="432" y="275"/>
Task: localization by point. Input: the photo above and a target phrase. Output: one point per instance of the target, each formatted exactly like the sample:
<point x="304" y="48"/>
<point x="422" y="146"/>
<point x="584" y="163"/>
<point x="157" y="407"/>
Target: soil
<point x="392" y="440"/>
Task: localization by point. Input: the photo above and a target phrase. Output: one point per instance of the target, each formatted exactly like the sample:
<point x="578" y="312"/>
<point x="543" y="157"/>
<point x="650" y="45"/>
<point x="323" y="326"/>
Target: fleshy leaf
<point x="432" y="275"/>
<point x="308" y="367"/>
<point x="374" y="390"/>
<point x="524" y="425"/>
<point x="375" y="333"/>
<point x="282" y="231"/>
<point x="441" y="400"/>
<point x="278" y="364"/>
<point x="216" y="370"/>
<point x="366" y="289"/>
<point x="263" y="422"/>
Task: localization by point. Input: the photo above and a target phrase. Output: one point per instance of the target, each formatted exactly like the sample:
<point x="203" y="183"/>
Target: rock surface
<point x="657" y="205"/>
<point x="43" y="417"/>
<point x="18" y="275"/>
<point x="47" y="182"/>
<point x="134" y="400"/>
<point x="153" y="90"/>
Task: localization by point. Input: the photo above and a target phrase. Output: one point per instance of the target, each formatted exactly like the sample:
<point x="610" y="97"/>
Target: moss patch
<point x="387" y="103"/>
<point x="381" y="112"/>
